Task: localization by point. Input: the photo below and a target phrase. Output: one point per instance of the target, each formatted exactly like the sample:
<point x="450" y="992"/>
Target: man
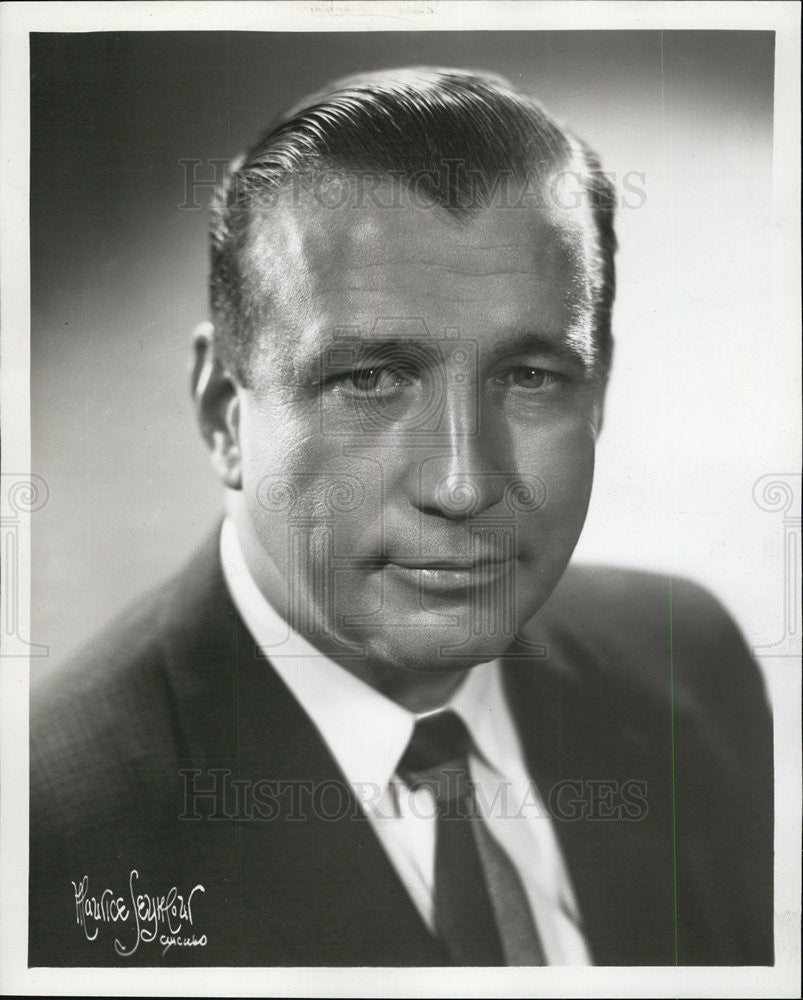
<point x="377" y="721"/>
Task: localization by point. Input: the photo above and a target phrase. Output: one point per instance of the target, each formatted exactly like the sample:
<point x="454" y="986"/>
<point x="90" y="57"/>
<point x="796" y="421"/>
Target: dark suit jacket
<point x="645" y="727"/>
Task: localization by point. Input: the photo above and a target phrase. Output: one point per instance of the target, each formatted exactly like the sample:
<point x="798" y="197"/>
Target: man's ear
<point x="599" y="414"/>
<point x="599" y="405"/>
<point x="217" y="407"/>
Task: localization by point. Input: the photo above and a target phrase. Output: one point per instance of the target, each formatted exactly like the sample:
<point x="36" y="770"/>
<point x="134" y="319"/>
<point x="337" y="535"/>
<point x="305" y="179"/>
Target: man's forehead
<point x="324" y="267"/>
<point x="303" y="226"/>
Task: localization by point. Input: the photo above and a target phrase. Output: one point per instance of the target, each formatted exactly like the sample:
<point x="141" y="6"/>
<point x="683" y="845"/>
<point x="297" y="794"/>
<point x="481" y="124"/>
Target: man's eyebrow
<point x="572" y="347"/>
<point x="343" y="349"/>
<point x="336" y="351"/>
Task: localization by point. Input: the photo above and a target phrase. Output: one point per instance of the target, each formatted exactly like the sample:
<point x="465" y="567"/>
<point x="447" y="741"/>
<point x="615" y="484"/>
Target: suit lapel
<point x="309" y="869"/>
<point x="580" y="756"/>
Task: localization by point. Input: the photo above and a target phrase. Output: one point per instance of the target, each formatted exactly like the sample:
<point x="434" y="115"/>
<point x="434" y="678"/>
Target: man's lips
<point x="446" y="563"/>
<point x="447" y="575"/>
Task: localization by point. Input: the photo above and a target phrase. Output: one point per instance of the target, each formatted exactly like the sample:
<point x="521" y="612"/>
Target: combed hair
<point x="453" y="134"/>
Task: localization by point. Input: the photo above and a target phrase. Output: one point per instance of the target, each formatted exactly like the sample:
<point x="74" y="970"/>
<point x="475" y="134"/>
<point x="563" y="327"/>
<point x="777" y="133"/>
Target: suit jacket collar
<point x="586" y="759"/>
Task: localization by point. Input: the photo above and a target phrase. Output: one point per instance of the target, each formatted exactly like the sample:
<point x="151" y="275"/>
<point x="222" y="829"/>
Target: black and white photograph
<point x="401" y="499"/>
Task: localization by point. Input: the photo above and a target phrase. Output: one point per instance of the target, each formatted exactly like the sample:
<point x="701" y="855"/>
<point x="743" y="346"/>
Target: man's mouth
<point x="447" y="563"/>
<point x="449" y="573"/>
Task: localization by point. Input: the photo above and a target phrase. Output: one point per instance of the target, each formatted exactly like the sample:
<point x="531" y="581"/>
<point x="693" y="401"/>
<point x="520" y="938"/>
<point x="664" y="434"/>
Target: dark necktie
<point x="481" y="910"/>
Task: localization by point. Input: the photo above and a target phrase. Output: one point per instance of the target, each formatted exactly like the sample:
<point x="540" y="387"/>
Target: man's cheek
<point x="562" y="457"/>
<point x="552" y="531"/>
<point x="320" y="514"/>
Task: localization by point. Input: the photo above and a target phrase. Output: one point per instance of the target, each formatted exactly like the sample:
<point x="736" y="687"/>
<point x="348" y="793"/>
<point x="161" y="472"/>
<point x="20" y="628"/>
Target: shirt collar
<point x="366" y="732"/>
<point x="482" y="705"/>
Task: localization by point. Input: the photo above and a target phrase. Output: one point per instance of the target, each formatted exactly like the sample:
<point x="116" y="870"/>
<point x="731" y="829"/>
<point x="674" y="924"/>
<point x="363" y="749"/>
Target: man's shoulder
<point x="646" y="643"/>
<point x="636" y="613"/>
<point x="602" y="591"/>
<point x="118" y="654"/>
<point x="643" y="680"/>
<point x="113" y="706"/>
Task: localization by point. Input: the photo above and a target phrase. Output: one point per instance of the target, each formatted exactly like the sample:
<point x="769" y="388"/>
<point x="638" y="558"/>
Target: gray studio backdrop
<point x="118" y="280"/>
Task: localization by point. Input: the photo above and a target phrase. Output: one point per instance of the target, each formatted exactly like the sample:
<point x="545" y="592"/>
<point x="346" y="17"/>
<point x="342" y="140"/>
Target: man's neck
<point x="417" y="692"/>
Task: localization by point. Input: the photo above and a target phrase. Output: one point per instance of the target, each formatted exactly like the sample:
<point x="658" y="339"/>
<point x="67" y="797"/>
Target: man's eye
<point x="378" y="380"/>
<point x="528" y="377"/>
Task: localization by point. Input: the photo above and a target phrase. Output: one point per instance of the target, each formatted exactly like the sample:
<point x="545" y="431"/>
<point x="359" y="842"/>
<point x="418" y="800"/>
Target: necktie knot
<point x="437" y="757"/>
<point x="437" y="740"/>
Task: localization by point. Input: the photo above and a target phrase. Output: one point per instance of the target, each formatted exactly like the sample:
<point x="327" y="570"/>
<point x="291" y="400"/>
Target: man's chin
<point x="426" y="653"/>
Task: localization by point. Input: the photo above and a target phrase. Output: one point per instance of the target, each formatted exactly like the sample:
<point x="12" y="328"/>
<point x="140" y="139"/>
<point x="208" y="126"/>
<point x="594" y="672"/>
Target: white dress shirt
<point x="367" y="734"/>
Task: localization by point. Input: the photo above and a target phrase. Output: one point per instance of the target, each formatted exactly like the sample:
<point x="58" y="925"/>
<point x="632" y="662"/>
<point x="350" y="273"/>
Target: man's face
<point x="417" y="437"/>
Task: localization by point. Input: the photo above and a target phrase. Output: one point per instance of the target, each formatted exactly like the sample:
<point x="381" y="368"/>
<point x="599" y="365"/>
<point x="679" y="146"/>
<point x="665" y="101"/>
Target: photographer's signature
<point x="165" y="918"/>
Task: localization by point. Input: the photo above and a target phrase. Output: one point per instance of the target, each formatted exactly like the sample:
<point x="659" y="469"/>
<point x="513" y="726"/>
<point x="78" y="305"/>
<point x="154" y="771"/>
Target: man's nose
<point x="465" y="472"/>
